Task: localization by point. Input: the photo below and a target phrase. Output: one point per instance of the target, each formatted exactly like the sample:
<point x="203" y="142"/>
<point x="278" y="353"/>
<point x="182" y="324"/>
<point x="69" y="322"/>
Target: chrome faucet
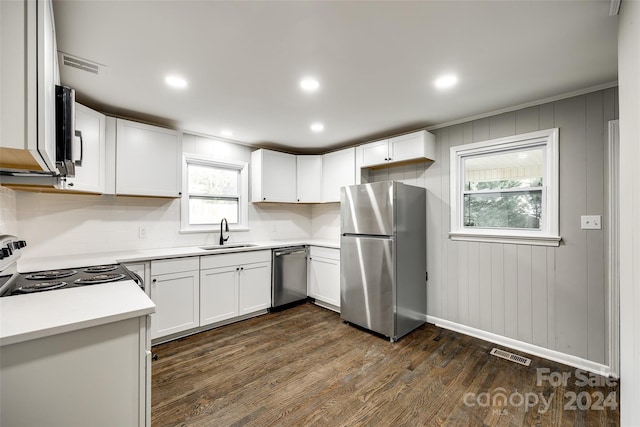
<point x="222" y="239"/>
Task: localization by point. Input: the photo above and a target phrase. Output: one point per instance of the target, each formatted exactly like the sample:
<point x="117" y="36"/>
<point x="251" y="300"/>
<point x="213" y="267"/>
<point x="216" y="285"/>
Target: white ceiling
<point x="376" y="62"/>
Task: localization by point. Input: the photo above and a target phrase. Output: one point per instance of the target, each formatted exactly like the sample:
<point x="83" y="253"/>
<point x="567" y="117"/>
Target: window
<point x="506" y="190"/>
<point x="213" y="190"/>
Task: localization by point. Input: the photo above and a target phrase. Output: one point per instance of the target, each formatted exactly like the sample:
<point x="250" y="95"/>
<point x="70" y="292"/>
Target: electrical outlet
<point x="142" y="232"/>
<point x="591" y="222"/>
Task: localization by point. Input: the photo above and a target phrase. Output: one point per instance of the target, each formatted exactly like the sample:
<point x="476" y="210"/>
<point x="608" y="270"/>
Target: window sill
<point x="514" y="240"/>
<point x="211" y="230"/>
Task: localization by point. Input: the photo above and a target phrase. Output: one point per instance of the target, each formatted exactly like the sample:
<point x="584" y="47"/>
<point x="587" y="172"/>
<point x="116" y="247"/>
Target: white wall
<point x="66" y="224"/>
<point x="629" y="81"/>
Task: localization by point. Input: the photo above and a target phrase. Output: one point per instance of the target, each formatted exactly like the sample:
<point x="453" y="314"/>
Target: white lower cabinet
<point x="233" y="285"/>
<point x="97" y="376"/>
<point x="324" y="275"/>
<point x="175" y="289"/>
<point x="218" y="294"/>
<point x="254" y="287"/>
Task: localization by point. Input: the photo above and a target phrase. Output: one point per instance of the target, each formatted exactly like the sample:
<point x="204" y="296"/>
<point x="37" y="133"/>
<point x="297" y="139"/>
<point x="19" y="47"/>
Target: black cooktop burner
<point x="100" y="268"/>
<point x="49" y="280"/>
<point x="50" y="274"/>
<point x="39" y="287"/>
<point x="99" y="278"/>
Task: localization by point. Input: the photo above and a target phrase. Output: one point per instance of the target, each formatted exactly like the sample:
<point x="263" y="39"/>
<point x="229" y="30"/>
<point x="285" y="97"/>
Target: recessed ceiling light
<point x="226" y="132"/>
<point x="175" y="82"/>
<point x="446" y="81"/>
<point x="317" y="127"/>
<point x="309" y="84"/>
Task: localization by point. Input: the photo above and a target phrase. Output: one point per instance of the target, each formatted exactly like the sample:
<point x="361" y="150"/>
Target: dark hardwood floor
<point x="303" y="366"/>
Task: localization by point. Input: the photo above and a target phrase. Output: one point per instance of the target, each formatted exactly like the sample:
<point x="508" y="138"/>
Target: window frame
<point x="549" y="234"/>
<point x="243" y="196"/>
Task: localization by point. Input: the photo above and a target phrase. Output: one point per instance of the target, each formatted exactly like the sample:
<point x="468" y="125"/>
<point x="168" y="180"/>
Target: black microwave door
<point x="65" y="130"/>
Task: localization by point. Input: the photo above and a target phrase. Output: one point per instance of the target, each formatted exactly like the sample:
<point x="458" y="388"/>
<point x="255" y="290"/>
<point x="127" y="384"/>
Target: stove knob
<point x="21" y="243"/>
<point x="5" y="252"/>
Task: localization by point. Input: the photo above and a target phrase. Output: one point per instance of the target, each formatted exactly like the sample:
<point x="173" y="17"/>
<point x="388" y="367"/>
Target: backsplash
<point x="8" y="212"/>
<point x="325" y="221"/>
<point x="59" y="224"/>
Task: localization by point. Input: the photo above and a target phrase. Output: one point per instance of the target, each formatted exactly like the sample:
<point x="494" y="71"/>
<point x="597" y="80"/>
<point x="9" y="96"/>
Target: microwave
<point x="66" y="156"/>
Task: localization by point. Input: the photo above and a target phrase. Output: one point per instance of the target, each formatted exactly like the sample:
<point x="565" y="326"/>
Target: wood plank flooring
<point x="304" y="367"/>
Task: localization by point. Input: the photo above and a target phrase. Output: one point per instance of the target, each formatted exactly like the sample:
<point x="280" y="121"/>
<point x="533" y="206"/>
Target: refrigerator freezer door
<point x="367" y="283"/>
<point x="368" y="209"/>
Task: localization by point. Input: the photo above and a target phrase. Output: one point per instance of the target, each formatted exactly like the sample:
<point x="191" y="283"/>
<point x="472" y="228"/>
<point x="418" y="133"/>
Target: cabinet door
<point x="309" y="179"/>
<point x="254" y="287"/>
<point x="412" y="146"/>
<point x="338" y="170"/>
<point x="324" y="277"/>
<point x="90" y="175"/>
<point x="148" y="160"/>
<point x="218" y="294"/>
<point x="27" y="84"/>
<point x="375" y="153"/>
<point x="48" y="78"/>
<point x="273" y="176"/>
<point x="177" y="302"/>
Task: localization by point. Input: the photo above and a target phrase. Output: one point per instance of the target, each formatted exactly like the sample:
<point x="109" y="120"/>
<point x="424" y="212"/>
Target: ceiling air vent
<point x="510" y="356"/>
<point x="81" y="64"/>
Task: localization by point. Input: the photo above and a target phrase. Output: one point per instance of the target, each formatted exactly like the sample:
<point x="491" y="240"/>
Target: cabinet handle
<point x="390" y="159"/>
<point x="70" y="184"/>
<point x="154" y="280"/>
<point x="241" y="268"/>
<point x="264" y="198"/>
<point x="237" y="268"/>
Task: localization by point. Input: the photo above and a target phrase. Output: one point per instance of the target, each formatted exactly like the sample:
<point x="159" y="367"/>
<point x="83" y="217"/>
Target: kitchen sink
<point x="229" y="246"/>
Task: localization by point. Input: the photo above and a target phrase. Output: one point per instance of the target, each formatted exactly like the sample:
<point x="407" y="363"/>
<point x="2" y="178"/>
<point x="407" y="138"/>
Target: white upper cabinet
<point x="375" y="153"/>
<point x="309" y="179"/>
<point x="148" y="160"/>
<point x="338" y="170"/>
<point x="28" y="48"/>
<point x="413" y="147"/>
<point x="273" y="176"/>
<point x="90" y="174"/>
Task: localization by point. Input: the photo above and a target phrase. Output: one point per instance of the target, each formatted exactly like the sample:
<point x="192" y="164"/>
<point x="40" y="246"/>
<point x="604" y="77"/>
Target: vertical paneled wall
<point x="552" y="297"/>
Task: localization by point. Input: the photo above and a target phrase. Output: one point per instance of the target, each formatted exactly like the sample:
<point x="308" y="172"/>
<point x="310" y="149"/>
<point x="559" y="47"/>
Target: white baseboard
<point x="556" y="356"/>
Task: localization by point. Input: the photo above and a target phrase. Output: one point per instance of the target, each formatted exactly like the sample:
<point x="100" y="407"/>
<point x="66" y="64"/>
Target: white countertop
<point x="28" y="317"/>
<point x="84" y="260"/>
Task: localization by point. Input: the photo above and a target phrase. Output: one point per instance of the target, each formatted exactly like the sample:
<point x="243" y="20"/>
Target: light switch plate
<point x="591" y="222"/>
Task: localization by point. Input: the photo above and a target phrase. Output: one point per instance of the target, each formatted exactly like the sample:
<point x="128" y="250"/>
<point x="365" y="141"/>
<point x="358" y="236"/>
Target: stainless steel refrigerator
<point x="383" y="257"/>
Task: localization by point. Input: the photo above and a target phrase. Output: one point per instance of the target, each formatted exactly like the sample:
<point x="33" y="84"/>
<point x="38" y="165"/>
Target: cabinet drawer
<point x="174" y="265"/>
<point x="237" y="258"/>
<point x="322" y="252"/>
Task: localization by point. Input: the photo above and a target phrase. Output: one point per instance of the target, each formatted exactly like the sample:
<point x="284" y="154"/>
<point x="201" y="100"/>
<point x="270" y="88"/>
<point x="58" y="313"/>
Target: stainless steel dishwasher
<point x="289" y="281"/>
